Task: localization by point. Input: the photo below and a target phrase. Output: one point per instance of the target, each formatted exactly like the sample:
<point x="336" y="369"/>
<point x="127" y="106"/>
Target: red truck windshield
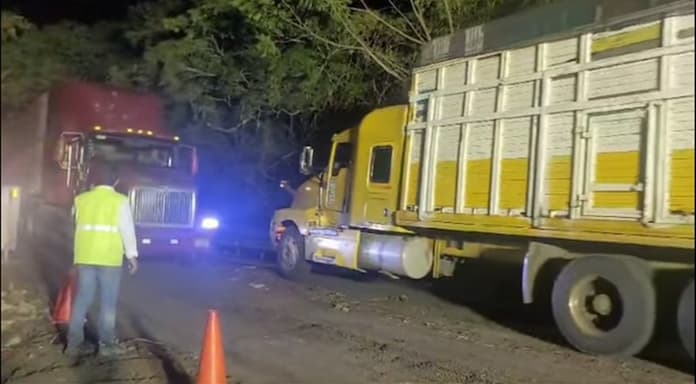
<point x="140" y="151"/>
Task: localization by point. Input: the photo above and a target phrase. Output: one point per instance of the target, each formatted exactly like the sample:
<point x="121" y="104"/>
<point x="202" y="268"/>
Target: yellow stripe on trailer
<point x="624" y="39"/>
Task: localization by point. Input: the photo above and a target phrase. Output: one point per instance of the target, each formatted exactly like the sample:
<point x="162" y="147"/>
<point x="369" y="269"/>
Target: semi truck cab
<point x="157" y="174"/>
<point x="51" y="147"/>
<point x="344" y="215"/>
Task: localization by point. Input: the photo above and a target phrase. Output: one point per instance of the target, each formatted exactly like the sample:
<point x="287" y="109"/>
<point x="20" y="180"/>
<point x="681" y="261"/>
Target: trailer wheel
<point x="605" y="305"/>
<point x="291" y="262"/>
<point x="685" y="318"/>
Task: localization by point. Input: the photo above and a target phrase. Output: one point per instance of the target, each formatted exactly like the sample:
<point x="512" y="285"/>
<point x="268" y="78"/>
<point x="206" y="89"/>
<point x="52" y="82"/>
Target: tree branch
<point x="362" y="46"/>
<point x="232" y="128"/>
<point x="370" y="52"/>
<point x="198" y="72"/>
<point x="449" y="15"/>
<point x="387" y="24"/>
<point x="421" y="20"/>
<point x="303" y="26"/>
<point x="408" y="21"/>
<point x="216" y="46"/>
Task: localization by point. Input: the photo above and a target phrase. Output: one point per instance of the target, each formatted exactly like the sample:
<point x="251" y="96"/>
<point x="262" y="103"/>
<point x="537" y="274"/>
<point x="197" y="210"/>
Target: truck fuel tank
<point x="401" y="255"/>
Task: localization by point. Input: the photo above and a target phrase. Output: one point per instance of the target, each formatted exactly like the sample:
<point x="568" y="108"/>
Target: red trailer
<point x="50" y="148"/>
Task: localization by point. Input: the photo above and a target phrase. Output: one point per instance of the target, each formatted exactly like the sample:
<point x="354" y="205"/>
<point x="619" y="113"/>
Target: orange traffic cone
<point x="211" y="368"/>
<point x="63" y="307"/>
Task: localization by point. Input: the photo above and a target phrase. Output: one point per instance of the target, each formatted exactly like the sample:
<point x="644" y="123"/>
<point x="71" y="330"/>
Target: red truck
<point x="50" y="148"/>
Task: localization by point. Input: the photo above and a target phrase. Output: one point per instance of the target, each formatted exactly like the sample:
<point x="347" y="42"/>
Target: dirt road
<point x="338" y="329"/>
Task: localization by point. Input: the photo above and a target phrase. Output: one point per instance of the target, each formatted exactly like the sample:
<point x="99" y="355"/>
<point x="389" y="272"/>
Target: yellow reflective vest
<point x="97" y="237"/>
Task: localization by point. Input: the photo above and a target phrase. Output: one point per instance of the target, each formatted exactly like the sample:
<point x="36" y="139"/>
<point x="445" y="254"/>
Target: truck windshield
<point x="139" y="151"/>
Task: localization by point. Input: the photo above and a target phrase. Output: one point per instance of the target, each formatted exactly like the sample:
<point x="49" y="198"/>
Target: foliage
<point x="231" y="62"/>
<point x="13" y="25"/>
<point x="223" y="63"/>
<point x="239" y="67"/>
<point x="389" y="36"/>
<point x="34" y="58"/>
<point x="239" y="61"/>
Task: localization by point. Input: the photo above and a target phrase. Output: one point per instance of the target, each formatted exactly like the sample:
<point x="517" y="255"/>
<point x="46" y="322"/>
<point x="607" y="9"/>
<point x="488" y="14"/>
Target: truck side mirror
<point x="307" y="160"/>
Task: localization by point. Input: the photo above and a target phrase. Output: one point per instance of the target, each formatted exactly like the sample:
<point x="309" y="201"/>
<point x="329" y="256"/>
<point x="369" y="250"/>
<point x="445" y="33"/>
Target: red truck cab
<point x="78" y="125"/>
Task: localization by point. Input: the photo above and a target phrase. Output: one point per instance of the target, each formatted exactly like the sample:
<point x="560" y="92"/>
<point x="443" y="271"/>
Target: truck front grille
<point x="162" y="207"/>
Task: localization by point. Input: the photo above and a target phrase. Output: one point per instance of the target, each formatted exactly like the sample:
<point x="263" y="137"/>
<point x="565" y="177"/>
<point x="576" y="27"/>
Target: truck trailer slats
<point x="579" y="135"/>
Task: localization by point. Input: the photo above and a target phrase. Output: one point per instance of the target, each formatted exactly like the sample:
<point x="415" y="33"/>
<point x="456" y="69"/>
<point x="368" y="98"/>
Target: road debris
<point x="19" y="310"/>
<point x="341" y="306"/>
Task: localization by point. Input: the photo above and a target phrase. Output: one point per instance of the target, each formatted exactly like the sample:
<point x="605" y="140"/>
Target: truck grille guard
<point x="162" y="207"/>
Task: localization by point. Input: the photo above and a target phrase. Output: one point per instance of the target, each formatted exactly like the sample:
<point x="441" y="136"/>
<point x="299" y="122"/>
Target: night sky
<point x="86" y="11"/>
<point x="89" y="11"/>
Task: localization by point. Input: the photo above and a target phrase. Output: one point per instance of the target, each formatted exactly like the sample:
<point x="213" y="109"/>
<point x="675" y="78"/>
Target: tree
<point x="238" y="66"/>
<point x="33" y="59"/>
<point x="263" y="71"/>
<point x="13" y="25"/>
<point x="235" y="61"/>
<point x="241" y="60"/>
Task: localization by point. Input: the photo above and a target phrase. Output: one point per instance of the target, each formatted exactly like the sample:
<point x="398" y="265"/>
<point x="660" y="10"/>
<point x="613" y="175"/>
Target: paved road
<point x="339" y="329"/>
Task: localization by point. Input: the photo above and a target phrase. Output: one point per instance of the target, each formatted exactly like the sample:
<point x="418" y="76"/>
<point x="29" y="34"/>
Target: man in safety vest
<point x="104" y="231"/>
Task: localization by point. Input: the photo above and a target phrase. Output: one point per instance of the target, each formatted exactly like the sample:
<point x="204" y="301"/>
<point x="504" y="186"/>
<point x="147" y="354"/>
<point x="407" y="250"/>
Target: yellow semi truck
<point x="566" y="132"/>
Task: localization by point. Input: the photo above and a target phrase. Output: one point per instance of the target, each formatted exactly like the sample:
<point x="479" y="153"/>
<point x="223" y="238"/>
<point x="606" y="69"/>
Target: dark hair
<point x="105" y="174"/>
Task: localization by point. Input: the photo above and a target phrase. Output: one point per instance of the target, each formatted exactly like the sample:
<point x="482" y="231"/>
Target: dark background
<point x="85" y="11"/>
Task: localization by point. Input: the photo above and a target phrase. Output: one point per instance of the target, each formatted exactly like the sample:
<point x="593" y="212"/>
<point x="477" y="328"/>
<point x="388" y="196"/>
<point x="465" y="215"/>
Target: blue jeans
<point x="108" y="279"/>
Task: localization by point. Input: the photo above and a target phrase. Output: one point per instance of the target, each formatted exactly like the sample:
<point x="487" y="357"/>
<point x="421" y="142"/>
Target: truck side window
<point x="342" y="158"/>
<point x="380" y="171"/>
<point x="61" y="151"/>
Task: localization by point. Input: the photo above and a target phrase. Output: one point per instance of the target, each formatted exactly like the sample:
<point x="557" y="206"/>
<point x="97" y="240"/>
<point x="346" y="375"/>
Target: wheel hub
<point x="601" y="304"/>
<point x="595" y="305"/>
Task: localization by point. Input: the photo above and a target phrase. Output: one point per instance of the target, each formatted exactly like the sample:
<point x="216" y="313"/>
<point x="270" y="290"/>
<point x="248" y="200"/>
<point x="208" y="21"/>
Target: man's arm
<point x="127" y="229"/>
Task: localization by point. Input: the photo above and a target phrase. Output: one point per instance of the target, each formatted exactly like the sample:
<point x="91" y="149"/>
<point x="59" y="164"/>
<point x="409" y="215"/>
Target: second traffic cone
<point x="211" y="368"/>
<point x="63" y="307"/>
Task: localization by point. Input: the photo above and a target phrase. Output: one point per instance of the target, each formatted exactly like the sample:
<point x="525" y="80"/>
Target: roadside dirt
<point x="326" y="329"/>
<point x="32" y="347"/>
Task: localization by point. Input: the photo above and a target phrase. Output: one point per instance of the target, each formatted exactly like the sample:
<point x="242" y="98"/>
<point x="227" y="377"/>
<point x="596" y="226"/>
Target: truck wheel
<point x="291" y="261"/>
<point x="685" y="318"/>
<point x="605" y="305"/>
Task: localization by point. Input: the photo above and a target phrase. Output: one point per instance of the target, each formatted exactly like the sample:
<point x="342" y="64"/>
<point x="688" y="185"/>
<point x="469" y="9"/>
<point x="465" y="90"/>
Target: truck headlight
<point x="210" y="223"/>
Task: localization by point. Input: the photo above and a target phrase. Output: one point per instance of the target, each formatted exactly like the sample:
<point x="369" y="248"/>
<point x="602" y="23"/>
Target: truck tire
<point x="685" y="318"/>
<point x="605" y="305"/>
<point x="291" y="262"/>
